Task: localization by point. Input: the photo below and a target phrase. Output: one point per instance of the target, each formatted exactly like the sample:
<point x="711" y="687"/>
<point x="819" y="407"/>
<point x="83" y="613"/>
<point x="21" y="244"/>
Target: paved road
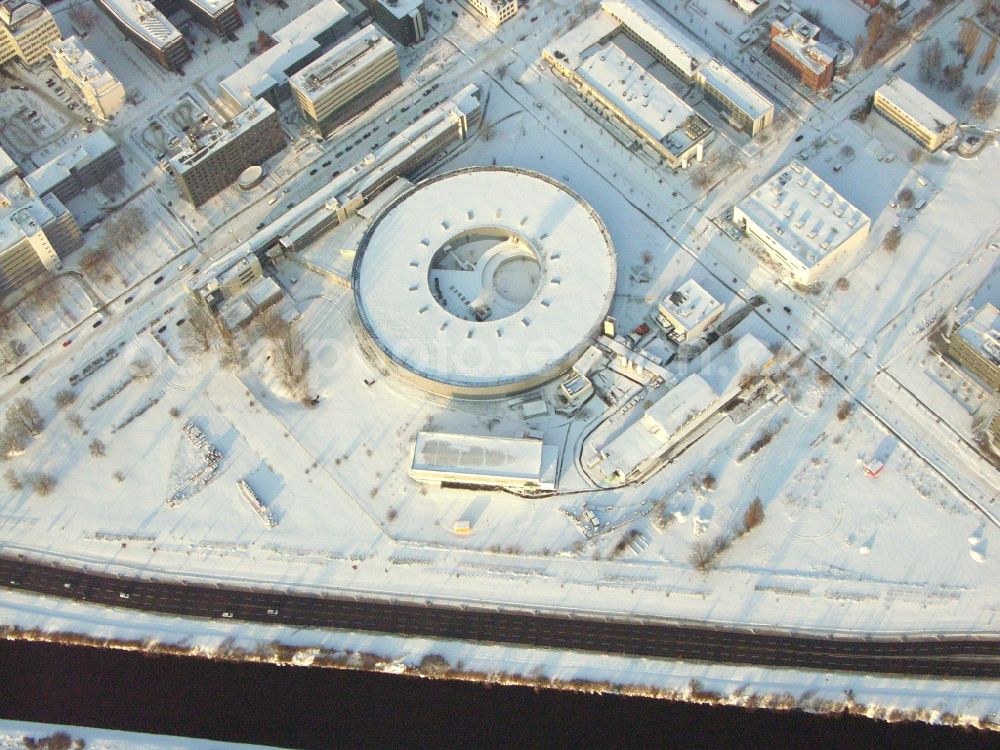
<point x="925" y="656"/>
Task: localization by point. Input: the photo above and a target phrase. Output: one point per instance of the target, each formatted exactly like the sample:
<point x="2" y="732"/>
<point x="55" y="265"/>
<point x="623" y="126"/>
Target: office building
<point x="26" y="31"/>
<point x="73" y="171"/>
<point x="296" y="45"/>
<point x="357" y="72"/>
<point x="103" y="93"/>
<point x="976" y="345"/>
<point x="795" y="43"/>
<point x="915" y="114"/>
<point x="215" y="160"/>
<point x="801" y="222"/>
<point x="404" y="20"/>
<point x="219" y="16"/>
<point x="494" y="12"/>
<point x="149" y="30"/>
<point x="35" y="234"/>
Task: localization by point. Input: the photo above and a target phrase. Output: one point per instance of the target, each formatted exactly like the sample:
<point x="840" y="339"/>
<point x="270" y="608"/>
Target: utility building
<point x="801" y="222"/>
<point x="214" y="161"/>
<point x="914" y="113"/>
<point x="346" y="80"/>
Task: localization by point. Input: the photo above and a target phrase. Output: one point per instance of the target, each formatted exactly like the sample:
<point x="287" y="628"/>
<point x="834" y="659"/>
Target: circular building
<point x="250" y="177"/>
<point x="485" y="281"/>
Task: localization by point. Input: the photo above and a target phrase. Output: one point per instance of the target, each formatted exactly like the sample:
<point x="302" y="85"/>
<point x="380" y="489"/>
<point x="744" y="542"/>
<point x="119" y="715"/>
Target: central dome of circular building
<point x="483" y="282"/>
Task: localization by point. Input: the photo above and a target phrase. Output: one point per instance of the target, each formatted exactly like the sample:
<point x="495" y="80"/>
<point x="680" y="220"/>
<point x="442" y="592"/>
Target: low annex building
<point x="801" y="222"/>
<point x="348" y="79"/>
<point x="915" y="114"/>
<point x="485" y="461"/>
<point x="976" y="345"/>
<point x="103" y="93"/>
<point x="795" y="42"/>
<point x="688" y="312"/>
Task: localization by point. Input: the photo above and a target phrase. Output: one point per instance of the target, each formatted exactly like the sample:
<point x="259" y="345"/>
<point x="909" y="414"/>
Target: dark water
<point x="317" y="708"/>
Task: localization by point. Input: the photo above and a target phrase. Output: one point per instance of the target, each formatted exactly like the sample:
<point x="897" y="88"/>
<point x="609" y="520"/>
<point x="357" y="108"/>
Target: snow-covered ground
<point x="13" y="734"/>
<point x="912" y="550"/>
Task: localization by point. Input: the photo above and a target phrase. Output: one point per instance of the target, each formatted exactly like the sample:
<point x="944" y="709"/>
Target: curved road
<point x="922" y="656"/>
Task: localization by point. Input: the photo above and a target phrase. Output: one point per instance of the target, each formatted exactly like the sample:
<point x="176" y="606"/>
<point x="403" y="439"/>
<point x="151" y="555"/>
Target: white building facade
<point x="104" y="93"/>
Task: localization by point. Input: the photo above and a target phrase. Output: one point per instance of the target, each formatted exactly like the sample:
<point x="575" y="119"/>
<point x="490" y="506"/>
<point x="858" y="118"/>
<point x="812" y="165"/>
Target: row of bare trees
<point x="121" y="232"/>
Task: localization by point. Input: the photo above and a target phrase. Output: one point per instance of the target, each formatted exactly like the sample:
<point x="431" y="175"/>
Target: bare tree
<point x="83" y="16"/>
<point x="23" y="415"/>
<point x="754" y="514"/>
<point x="291" y="359"/>
<point x="142" y="368"/>
<point x="113" y="183"/>
<point x="12" y="442"/>
<point x="952" y="77"/>
<point x="232" y="355"/>
<point x="984" y="103"/>
<point x="97" y="448"/>
<point x="966" y="94"/>
<point x="931" y="57"/>
<point x="77" y="421"/>
<point x="892" y="239"/>
<point x="201" y="331"/>
<point x="42" y="482"/>
<point x="915" y="155"/>
<point x="65" y="397"/>
<point x="968" y="41"/>
<point x="13" y="480"/>
<point x="12" y="351"/>
<point x="119" y="476"/>
<point x="905" y="197"/>
<point x="986" y="59"/>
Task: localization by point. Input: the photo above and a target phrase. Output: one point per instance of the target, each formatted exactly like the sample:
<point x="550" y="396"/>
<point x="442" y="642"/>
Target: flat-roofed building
<point x="915" y="114"/>
<point x="35" y="234"/>
<point x="215" y="160"/>
<point x="103" y="93"/>
<point x="750" y="7"/>
<point x="643" y="108"/>
<point x="26" y="31"/>
<point x="976" y="345"/>
<point x="485" y="461"/>
<point x="744" y="106"/>
<point x="221" y="16"/>
<point x="494" y="11"/>
<point x="296" y="45"/>
<point x="8" y="167"/>
<point x="147" y="28"/>
<point x="801" y="222"/>
<point x="91" y="160"/>
<point x="404" y="20"/>
<point x="357" y="72"/>
<point x="688" y="311"/>
<point x="795" y="42"/>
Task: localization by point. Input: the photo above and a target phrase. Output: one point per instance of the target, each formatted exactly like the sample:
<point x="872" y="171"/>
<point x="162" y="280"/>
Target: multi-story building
<point x="915" y="114"/>
<point x="220" y="16"/>
<point x="404" y="20"/>
<point x="688" y="312"/>
<point x="742" y="104"/>
<point x="296" y="45"/>
<point x="494" y="11"/>
<point x="976" y="345"/>
<point x="26" y="31"/>
<point x="103" y="93"/>
<point x="346" y="80"/>
<point x="750" y="7"/>
<point x="795" y="42"/>
<point x="35" y="234"/>
<point x="73" y="171"/>
<point x="215" y="160"/>
<point x="801" y="222"/>
<point x="636" y="105"/>
<point x="8" y="167"/>
<point x="149" y="30"/>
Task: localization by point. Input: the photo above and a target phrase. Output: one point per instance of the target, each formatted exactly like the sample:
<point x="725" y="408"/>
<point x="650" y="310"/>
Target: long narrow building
<point x="359" y="71"/>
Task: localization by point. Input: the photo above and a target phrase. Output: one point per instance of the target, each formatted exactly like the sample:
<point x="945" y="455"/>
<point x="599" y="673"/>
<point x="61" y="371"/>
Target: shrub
<point x="709" y="482"/>
<point x="844" y="409"/>
<point x="843" y="284"/>
<point x="119" y="476"/>
<point x="754" y="514"/>
<point x="64" y="398"/>
<point x="13" y="480"/>
<point x="97" y="449"/>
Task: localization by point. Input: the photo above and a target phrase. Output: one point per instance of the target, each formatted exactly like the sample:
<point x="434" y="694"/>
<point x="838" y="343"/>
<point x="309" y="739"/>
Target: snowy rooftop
<point x="493" y="457"/>
<point x="217" y="137"/>
<point x="747" y="356"/>
<point x="644" y="99"/>
<point x="558" y="305"/>
<point x="982" y="332"/>
<point x="401" y="8"/>
<point x="294" y="42"/>
<point x="691" y="304"/>
<point x="83" y="64"/>
<point x="21" y="212"/>
<point x="13" y="12"/>
<point x="721" y="78"/>
<point x="810" y="217"/>
<point x="50" y="174"/>
<point x="346" y="59"/>
<point x="7" y="164"/>
<point x="651" y="25"/>
<point x="918" y="106"/>
<point x="749" y="6"/>
<point x="797" y="37"/>
<point x="145" y="20"/>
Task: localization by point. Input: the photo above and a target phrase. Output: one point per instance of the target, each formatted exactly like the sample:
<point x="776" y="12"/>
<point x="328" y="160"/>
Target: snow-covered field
<point x="13" y="734"/>
<point x="911" y="550"/>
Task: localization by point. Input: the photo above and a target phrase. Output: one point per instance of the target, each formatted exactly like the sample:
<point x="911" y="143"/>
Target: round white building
<point x="485" y="281"/>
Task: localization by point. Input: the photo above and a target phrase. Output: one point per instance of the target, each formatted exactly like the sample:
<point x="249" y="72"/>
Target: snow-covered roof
<point x="690" y="304"/>
<point x="558" y="308"/>
<point x="401" y="8"/>
<point x="145" y="20"/>
<point x="479" y="457"/>
<point x="82" y="63"/>
<point x="21" y="212"/>
<point x="221" y="135"/>
<point x="295" y="42"/>
<point x="50" y="174"/>
<point x="747" y="356"/>
<point x="803" y="214"/>
<point x="982" y="332"/>
<point x="921" y="108"/>
<point x="641" y="97"/>
<point x="749" y="6"/>
<point x="652" y="26"/>
<point x="797" y="36"/>
<point x="349" y="57"/>
<point x="7" y="165"/>
<point x="734" y="88"/>
<point x="14" y="12"/>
